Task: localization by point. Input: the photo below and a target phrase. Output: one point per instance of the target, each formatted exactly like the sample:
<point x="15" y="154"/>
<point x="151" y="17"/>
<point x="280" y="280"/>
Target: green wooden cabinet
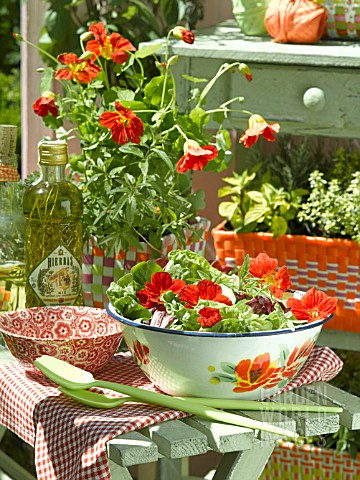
<point x="308" y="89"/>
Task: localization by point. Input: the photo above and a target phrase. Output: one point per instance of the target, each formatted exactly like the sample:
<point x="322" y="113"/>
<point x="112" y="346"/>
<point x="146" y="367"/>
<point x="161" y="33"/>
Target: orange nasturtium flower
<point x="252" y="374"/>
<point x="161" y="282"/>
<point x="181" y="33"/>
<point x="113" y="47"/>
<point x="264" y="267"/>
<point x="258" y="127"/>
<point x="195" y="157"/>
<point x="125" y="126"/>
<point x="46" y="105"/>
<point x="314" y="305"/>
<point x="84" y="71"/>
<point x="204" y="290"/>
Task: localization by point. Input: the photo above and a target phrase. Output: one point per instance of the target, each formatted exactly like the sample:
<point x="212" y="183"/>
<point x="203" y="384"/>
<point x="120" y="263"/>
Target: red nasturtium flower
<point x="209" y="316"/>
<point x="161" y="282"/>
<point x="181" y="33"/>
<point x="252" y="374"/>
<point x="195" y="157"/>
<point x="314" y="305"/>
<point x="125" y="126"/>
<point x="204" y="290"/>
<point x="141" y="352"/>
<point x="264" y="267"/>
<point x="46" y="105"/>
<point x="84" y="71"/>
<point x="113" y="47"/>
<point x="258" y="126"/>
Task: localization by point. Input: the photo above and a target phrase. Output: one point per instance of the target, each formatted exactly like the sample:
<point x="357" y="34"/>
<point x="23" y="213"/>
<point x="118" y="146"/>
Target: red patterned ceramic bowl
<point x="83" y="336"/>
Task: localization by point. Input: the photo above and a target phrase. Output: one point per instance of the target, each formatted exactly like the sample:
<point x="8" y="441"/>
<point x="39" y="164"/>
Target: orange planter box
<point x="307" y="462"/>
<point x="329" y="264"/>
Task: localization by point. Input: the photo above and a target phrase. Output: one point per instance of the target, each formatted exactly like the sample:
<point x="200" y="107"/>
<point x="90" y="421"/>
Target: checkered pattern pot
<point x="100" y="270"/>
<point x="331" y="265"/>
<point x="307" y="462"/>
<point x="343" y="20"/>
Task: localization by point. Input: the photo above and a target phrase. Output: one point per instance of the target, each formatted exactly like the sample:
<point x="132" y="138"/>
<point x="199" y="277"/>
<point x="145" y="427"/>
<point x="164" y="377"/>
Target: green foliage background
<point x="10" y="65"/>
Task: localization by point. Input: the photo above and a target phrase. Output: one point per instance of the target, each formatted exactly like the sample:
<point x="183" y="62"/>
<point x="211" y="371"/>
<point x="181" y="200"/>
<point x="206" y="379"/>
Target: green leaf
<point x="46" y="80"/>
<point x="256" y="214"/>
<point x="194" y="79"/>
<point x="132" y="149"/>
<point x="225" y="191"/>
<point x="148" y="50"/>
<point x="148" y="16"/>
<point x="278" y="226"/>
<point x="256" y="197"/>
<point x="228" y="367"/>
<point x="165" y="158"/>
<point x="170" y="9"/>
<point x="143" y="271"/>
<point x="227" y="209"/>
<point x="225" y="378"/>
<point x="284" y="354"/>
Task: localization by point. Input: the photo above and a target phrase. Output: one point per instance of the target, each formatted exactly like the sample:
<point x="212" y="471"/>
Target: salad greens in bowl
<point x="197" y="330"/>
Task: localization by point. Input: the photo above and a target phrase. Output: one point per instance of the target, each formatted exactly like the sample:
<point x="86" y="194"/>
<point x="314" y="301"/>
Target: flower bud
<point x="182" y="34"/>
<point x="48" y="94"/>
<point x="18" y="37"/>
<point x="160" y="65"/>
<point x="172" y="60"/>
<point x="245" y="70"/>
<point x="86" y="56"/>
<point x="86" y="36"/>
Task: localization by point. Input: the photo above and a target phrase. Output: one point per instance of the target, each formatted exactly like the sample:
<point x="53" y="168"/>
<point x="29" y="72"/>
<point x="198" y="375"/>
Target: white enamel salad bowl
<point x="246" y="366"/>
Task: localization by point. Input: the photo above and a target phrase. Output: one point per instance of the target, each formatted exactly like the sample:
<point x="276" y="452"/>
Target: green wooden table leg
<point x="10" y="466"/>
<point x="244" y="465"/>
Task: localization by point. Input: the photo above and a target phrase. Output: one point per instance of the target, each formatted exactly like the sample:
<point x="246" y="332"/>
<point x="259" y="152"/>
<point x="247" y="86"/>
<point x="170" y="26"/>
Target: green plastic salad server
<point x="74" y="378"/>
<point x="100" y="400"/>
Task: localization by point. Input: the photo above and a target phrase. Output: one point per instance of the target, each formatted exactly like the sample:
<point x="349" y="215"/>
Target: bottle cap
<point x="53" y="152"/>
<point x="8" y="135"/>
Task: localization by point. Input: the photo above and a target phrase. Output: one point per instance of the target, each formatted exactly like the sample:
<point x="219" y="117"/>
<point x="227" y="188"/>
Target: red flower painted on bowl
<point x="297" y="359"/>
<point x="141" y="353"/>
<point x="260" y="372"/>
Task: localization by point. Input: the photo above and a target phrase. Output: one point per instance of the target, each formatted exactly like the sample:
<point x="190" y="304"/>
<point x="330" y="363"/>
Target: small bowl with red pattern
<point x="83" y="336"/>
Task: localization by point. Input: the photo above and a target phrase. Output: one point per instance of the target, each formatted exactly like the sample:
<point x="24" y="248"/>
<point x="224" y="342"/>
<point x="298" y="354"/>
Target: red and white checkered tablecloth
<point x="70" y="439"/>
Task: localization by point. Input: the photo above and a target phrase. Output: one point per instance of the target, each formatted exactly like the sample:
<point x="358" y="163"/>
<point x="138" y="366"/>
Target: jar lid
<point x="53" y="152"/>
<point x="8" y="135"/>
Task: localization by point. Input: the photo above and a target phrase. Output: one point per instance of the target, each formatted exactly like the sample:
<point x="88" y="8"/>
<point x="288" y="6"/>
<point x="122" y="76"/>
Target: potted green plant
<point x="320" y="242"/>
<point x="138" y="147"/>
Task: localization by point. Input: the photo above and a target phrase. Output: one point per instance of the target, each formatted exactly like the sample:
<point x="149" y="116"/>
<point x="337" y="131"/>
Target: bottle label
<point x="57" y="279"/>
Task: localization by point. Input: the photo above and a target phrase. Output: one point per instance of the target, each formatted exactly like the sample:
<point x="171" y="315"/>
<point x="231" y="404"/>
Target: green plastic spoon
<point x="74" y="378"/>
<point x="100" y="400"/>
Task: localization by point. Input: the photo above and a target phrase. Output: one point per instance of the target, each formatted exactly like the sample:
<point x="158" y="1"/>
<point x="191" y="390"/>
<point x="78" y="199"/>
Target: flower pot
<point x="99" y="269"/>
<point x="329" y="264"/>
<point x="309" y="462"/>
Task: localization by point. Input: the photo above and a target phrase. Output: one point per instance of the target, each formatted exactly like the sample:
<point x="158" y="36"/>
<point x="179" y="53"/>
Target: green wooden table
<point x="163" y="451"/>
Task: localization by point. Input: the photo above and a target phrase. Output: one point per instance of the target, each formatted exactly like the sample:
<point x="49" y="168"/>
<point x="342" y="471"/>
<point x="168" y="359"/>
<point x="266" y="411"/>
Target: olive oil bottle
<point x="53" y="208"/>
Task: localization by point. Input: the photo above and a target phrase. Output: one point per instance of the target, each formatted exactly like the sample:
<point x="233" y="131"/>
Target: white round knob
<point x="314" y="99"/>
